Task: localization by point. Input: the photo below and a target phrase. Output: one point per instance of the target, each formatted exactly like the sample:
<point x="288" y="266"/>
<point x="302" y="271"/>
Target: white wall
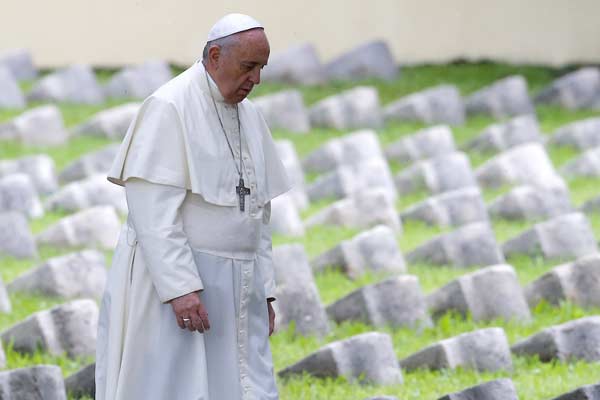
<point x="116" y="32"/>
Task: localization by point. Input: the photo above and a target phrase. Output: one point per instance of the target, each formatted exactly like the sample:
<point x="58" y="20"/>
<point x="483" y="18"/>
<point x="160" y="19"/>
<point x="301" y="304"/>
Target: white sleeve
<point x="265" y="254"/>
<point x="154" y="212"/>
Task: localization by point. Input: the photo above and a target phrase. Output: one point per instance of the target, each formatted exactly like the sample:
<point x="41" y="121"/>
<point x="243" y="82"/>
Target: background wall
<point x="117" y="32"/>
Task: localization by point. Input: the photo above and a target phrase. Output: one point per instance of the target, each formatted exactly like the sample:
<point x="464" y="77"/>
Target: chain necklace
<point x="240" y="190"/>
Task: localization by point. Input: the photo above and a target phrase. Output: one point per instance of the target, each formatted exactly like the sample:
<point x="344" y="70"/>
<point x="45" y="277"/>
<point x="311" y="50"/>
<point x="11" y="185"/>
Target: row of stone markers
<point x="486" y="294"/>
<point x="48" y="383"/>
<point x="360" y="107"/>
<point x="44" y="125"/>
<point x="356" y="173"/>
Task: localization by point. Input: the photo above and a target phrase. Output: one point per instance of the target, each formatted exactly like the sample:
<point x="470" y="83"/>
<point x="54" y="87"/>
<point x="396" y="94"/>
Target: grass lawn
<point x="533" y="379"/>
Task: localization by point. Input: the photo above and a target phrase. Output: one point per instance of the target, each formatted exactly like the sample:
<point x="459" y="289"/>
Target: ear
<point x="214" y="54"/>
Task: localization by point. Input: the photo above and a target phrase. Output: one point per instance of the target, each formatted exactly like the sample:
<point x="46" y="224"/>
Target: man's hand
<point x="190" y="307"/>
<point x="271" y="318"/>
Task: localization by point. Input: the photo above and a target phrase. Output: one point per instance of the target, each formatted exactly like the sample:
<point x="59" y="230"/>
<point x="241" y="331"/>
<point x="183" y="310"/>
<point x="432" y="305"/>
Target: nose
<point x="255" y="75"/>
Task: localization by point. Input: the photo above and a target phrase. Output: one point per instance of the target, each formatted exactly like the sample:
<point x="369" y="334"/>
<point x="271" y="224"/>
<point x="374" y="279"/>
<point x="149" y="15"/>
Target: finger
<point x="180" y="322"/>
<point x="197" y="324"/>
<point x="205" y="321"/>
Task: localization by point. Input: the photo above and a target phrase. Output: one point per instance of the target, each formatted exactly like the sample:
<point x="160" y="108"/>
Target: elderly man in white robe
<point x="186" y="314"/>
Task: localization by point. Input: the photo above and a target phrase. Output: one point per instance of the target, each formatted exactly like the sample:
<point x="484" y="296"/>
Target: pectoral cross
<point x="242" y="192"/>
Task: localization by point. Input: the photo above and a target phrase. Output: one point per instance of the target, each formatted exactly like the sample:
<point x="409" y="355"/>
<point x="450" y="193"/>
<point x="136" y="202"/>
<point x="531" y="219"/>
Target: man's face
<point x="237" y="68"/>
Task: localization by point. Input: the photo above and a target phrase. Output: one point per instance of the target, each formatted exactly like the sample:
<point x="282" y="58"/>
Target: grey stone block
<point x="490" y="293"/>
<point x="293" y="168"/>
<point x="139" y="81"/>
<point x="588" y="392"/>
<point x="40" y="126"/>
<point x="526" y="164"/>
<point x="40" y="169"/>
<point x="454" y="208"/>
<point x="574" y="90"/>
<point x="363" y="210"/>
<point x="503" y="136"/>
<point x="369" y="60"/>
<point x="427" y="143"/>
<point x="587" y="164"/>
<point x="506" y="97"/>
<point x="89" y="192"/>
<point x="376" y="249"/>
<point x="481" y="350"/>
<point x="354" y="108"/>
<point x="297" y="295"/>
<point x="347" y="150"/>
<point x="346" y="180"/>
<point x="41" y="382"/>
<point x="96" y="162"/>
<point x="527" y="202"/>
<point x="581" y="135"/>
<point x="565" y="236"/>
<point x="111" y="123"/>
<point x="69" y="328"/>
<point x="5" y="305"/>
<point x="75" y="84"/>
<point x="297" y="65"/>
<point x="284" y="110"/>
<point x="19" y="62"/>
<point x="440" y="174"/>
<point x="81" y="274"/>
<point x="577" y="282"/>
<point x="285" y="217"/>
<point x="397" y="301"/>
<point x="499" y="389"/>
<point x="96" y="227"/>
<point x="592" y="205"/>
<point x="11" y="95"/>
<point x="438" y="105"/>
<point x="82" y="383"/>
<point x="472" y="244"/>
<point x="575" y="340"/>
<point x="17" y="193"/>
<point x="15" y="236"/>
<point x="368" y="357"/>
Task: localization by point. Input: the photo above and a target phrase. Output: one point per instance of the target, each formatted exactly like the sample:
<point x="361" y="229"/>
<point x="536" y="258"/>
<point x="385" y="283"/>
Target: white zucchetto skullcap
<point x="230" y="24"/>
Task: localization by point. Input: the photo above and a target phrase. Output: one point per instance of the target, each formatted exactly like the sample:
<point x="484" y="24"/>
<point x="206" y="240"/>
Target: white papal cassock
<point x="185" y="232"/>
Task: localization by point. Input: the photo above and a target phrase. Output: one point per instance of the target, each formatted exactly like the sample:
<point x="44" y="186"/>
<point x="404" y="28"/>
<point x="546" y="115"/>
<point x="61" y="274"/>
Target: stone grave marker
<point x="506" y="97"/>
<point x="428" y="143"/>
<point x="297" y="296"/>
<point x="565" y="236"/>
<point x="375" y="249"/>
<point x="75" y="275"/>
<point x="284" y="110"/>
<point x="111" y="123"/>
<point x="438" y="105"/>
<point x="396" y="301"/>
<point x="368" y="357"/>
<point x="97" y="227"/>
<point x="574" y="340"/>
<point x="68" y="328"/>
<point x="74" y="84"/>
<point x="469" y="245"/>
<point x="481" y="350"/>
<point x="490" y="293"/>
<point x="355" y="108"/>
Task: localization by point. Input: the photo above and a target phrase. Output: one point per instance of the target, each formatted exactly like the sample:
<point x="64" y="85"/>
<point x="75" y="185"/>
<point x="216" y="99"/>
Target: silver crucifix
<point x="242" y="192"/>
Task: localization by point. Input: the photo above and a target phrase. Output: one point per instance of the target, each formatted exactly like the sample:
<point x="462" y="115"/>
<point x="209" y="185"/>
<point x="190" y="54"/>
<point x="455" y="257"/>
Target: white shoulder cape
<point x="175" y="139"/>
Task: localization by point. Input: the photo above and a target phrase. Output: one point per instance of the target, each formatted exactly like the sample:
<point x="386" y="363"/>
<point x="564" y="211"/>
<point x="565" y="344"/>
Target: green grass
<point x="533" y="379"/>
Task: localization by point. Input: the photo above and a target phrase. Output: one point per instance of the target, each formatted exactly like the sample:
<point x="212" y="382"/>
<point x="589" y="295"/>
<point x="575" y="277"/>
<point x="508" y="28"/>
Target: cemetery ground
<point x="533" y="379"/>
